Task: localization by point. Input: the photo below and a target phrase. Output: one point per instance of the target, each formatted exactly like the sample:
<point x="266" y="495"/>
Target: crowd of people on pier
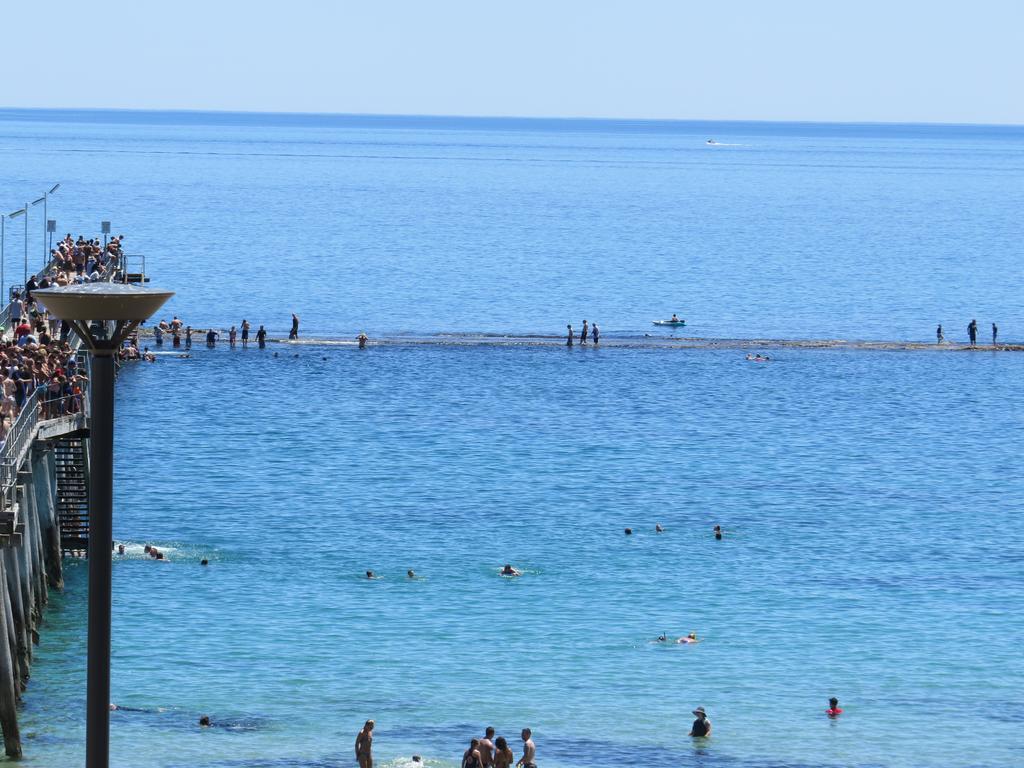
<point x="35" y="350"/>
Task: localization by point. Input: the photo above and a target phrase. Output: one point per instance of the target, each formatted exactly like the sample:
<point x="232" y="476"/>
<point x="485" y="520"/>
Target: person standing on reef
<point x="362" y="339"/>
<point x="232" y="336"/>
<point x="939" y="338"/>
<point x="294" y="333"/>
<point x="364" y="746"/>
<point x="583" y="333"/>
<point x="972" y="331"/>
<point x="568" y="342"/>
<point x="995" y="333"/>
<point x="596" y="333"/>
<point x="261" y="337"/>
<point x="245" y="332"/>
<point x="528" y="760"/>
<point x="486" y="747"/>
<point x="211" y="338"/>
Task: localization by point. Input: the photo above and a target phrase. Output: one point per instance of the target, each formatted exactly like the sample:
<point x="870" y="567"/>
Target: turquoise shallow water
<point x="871" y="499"/>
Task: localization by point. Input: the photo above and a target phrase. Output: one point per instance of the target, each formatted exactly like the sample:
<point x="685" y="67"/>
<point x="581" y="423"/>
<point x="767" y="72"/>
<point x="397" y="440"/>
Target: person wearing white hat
<point x="701" y="726"/>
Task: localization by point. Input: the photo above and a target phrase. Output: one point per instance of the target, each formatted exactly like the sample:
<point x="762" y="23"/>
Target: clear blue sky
<point x="857" y="60"/>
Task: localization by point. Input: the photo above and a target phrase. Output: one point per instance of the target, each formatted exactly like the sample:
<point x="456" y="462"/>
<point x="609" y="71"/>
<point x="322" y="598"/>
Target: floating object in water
<point x="671" y="323"/>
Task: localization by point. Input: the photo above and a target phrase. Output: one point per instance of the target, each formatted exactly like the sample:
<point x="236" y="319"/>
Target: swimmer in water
<point x="204" y="721"/>
<point x="147" y="549"/>
<point x="718" y="532"/>
<point x="371" y="575"/>
<point x="120" y="549"/>
<point x="508" y="570"/>
<point x="690" y="639"/>
<point x="204" y="561"/>
<point x="658" y="528"/>
<point x="629" y="531"/>
<point x="411" y="573"/>
<point x="833" y="708"/>
<point x="662" y="638"/>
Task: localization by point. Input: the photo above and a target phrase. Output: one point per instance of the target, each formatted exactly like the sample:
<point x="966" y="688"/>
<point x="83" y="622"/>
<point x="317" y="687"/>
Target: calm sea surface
<point x="871" y="499"/>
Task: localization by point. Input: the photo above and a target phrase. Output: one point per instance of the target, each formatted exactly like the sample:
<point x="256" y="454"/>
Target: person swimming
<point x="718" y="532"/>
<point x="658" y="528"/>
<point x="833" y="708"/>
<point x="371" y="575"/>
<point x="508" y="570"/>
<point x="410" y="574"/>
<point x="690" y="639"/>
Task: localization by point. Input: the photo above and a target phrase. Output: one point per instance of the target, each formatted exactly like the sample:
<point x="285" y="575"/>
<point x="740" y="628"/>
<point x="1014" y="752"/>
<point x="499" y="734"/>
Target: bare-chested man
<point x="486" y="747"/>
<point x="529" y="750"/>
<point x="364" y="746"/>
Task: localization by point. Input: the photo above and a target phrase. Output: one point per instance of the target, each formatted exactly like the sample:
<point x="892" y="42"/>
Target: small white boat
<point x="672" y="323"/>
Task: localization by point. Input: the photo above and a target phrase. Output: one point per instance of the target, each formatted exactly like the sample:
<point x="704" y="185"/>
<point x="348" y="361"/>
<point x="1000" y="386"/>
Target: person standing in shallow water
<point x="294" y="332"/>
<point x="232" y="336"/>
<point x="972" y="332"/>
<point x="486" y="747"/>
<point x="701" y="726"/>
<point x="261" y="337"/>
<point x="568" y="342"/>
<point x="595" y="333"/>
<point x="995" y="333"/>
<point x="245" y="332"/>
<point x="364" y="745"/>
<point x="528" y="760"/>
<point x="939" y="338"/>
<point x="583" y="333"/>
<point x="503" y="756"/>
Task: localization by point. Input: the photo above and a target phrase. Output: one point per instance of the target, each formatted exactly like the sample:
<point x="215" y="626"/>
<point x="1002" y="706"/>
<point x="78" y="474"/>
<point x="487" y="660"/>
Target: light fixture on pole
<point x="14" y="215"/>
<point x="46" y="220"/>
<point x="81" y="306"/>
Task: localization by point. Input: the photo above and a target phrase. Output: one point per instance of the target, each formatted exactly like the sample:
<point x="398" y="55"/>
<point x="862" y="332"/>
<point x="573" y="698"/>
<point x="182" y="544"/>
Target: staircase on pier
<point x="72" y="495"/>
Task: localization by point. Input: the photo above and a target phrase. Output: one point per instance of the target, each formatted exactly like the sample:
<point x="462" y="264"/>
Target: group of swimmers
<point x="486" y="752"/>
<point x="154" y="553"/>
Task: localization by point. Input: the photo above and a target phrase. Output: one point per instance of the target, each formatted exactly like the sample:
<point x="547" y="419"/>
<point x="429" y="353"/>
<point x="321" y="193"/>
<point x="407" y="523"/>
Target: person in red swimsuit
<point x="833" y="708"/>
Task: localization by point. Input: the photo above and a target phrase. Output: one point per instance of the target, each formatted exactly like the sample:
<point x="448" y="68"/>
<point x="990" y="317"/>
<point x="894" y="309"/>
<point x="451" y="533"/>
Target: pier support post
<point x="101" y="534"/>
<point x="8" y="686"/>
<point x="22" y="644"/>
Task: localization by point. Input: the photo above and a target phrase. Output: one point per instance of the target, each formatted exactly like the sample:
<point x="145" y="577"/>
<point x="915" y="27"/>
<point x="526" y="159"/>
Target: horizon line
<point x="259" y="112"/>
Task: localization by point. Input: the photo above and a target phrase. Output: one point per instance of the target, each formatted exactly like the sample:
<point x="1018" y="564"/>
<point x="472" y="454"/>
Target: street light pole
<point x="14" y="215"/>
<point x="126" y="306"/>
<point x="46" y="219"/>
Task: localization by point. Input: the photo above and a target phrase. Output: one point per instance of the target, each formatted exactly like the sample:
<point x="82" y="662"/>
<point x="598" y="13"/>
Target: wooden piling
<point x="8" y="685"/>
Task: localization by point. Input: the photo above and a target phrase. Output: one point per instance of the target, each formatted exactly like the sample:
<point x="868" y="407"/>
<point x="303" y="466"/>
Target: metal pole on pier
<point x="14" y="215"/>
<point x="46" y="221"/>
<point x="119" y="309"/>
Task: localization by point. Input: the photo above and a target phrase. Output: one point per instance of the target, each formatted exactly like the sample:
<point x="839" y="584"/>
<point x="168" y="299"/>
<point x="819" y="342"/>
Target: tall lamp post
<point x="46" y="219"/>
<point x="82" y="306"/>
<point x="14" y="215"/>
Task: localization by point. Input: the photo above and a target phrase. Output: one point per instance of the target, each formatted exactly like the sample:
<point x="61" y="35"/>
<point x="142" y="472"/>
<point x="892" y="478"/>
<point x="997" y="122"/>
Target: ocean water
<point x="874" y="545"/>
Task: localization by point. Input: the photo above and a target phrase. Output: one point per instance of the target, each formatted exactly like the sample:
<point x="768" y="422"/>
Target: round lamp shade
<point x="102" y="301"/>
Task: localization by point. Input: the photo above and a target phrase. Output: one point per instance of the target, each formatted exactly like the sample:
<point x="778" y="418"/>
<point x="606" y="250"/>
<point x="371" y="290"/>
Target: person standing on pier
<point x="294" y="333"/>
<point x="938" y="335"/>
<point x="364" y="746"/>
<point x="245" y="332"/>
<point x="583" y="333"/>
<point x="595" y="333"/>
<point x="995" y="333"/>
<point x="232" y="335"/>
<point x="972" y="331"/>
<point x="568" y="342"/>
<point x="261" y="337"/>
